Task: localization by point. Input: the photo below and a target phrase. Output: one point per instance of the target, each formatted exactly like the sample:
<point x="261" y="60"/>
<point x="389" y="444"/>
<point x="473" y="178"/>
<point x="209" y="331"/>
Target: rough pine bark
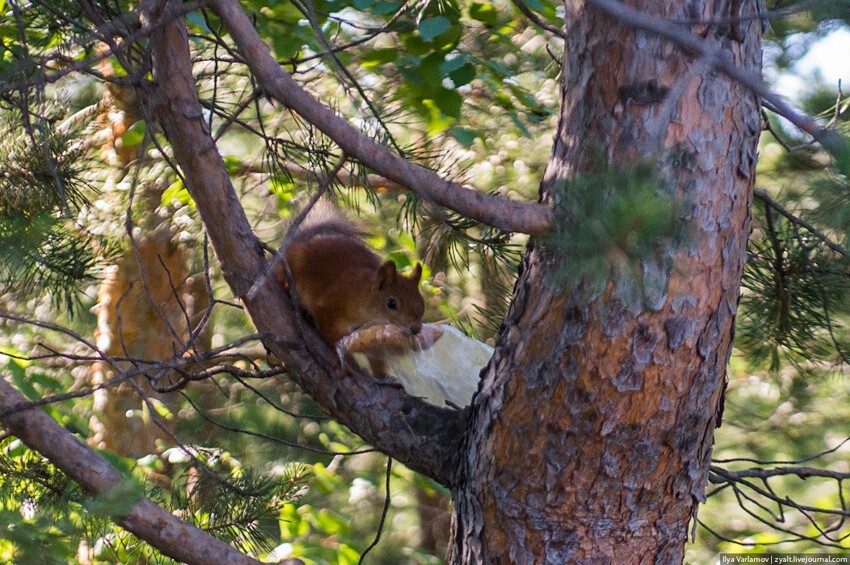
<point x="591" y="436"/>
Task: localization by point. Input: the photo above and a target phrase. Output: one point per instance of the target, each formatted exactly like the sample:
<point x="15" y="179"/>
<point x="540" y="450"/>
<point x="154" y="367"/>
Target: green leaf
<point x="177" y="191"/>
<point x="526" y="100"/>
<point x="287" y="45"/>
<point x="484" y="13"/>
<point x="363" y="4"/>
<point x="465" y="136"/>
<point x="377" y="57"/>
<point x="19" y="379"/>
<point x="438" y="122"/>
<point x="331" y="523"/>
<point x="386" y="8"/>
<point x="449" y="102"/>
<point x="47" y="382"/>
<point x="197" y="21"/>
<point x="159" y="407"/>
<point x="134" y="135"/>
<point x="450" y="65"/>
<point x="415" y="46"/>
<point x="429" y="71"/>
<point x="515" y="119"/>
<point x="433" y="27"/>
<point x="232" y="164"/>
<point x="347" y="555"/>
<point x="463" y="75"/>
<point x="499" y="69"/>
<point x="285" y="190"/>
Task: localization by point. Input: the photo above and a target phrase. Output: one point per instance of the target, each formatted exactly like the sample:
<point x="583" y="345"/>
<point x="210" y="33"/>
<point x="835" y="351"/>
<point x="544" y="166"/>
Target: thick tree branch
<point x="422" y="436"/>
<point x="510" y="215"/>
<point x="173" y="537"/>
<point x="828" y="138"/>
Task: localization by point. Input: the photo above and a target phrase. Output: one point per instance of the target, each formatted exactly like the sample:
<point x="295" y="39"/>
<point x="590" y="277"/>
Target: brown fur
<point x="343" y="286"/>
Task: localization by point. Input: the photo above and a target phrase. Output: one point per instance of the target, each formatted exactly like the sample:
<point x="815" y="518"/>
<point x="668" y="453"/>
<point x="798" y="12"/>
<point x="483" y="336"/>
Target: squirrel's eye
<point x="391" y="303"/>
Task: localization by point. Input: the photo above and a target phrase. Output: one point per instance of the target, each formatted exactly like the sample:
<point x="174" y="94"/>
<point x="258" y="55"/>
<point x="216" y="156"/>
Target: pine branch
<point x="146" y="520"/>
<point x="510" y="215"/>
<point x="422" y="436"/>
<point x="762" y="195"/>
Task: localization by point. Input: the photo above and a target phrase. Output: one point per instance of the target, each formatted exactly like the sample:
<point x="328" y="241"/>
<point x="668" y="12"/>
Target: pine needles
<point x="795" y="289"/>
<point x="42" y="188"/>
<point x="611" y="226"/>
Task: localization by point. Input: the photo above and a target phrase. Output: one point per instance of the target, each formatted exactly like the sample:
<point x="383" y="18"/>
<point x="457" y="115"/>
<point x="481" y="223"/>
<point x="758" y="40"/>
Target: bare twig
<point x="769" y="127"/>
<point x="760" y="15"/>
<point x="383" y="512"/>
<point x="763" y="473"/>
<point x="268" y="437"/>
<point x="762" y="195"/>
<point x="782" y="462"/>
<point x="756" y="504"/>
<point x="537" y="20"/>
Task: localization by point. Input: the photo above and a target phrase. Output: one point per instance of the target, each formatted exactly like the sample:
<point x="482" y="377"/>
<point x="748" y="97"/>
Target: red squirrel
<point x="342" y="285"/>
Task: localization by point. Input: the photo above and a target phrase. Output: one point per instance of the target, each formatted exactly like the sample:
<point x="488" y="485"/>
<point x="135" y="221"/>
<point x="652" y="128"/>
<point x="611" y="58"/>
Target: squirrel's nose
<point x="416" y="328"/>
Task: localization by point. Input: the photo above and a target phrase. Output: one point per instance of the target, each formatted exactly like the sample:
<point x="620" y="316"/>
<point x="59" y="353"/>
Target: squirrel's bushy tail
<point x="325" y="219"/>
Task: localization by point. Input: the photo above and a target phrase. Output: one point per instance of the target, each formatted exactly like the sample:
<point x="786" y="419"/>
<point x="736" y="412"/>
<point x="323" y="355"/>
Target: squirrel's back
<point x="342" y="284"/>
<point x="325" y="220"/>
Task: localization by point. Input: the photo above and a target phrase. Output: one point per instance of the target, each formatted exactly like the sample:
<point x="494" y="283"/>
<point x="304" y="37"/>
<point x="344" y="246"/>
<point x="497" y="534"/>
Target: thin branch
<point x="829" y="139"/>
<point x="741" y="486"/>
<point x="267" y="437"/>
<point x="841" y="444"/>
<point x="384" y="512"/>
<point x="140" y="366"/>
<point x="508" y="215"/>
<point x="173" y="537"/>
<point x="371" y="34"/>
<point x="769" y="128"/>
<point x="761" y="473"/>
<point x="760" y="15"/>
<point x="762" y="195"/>
<point x="537" y="20"/>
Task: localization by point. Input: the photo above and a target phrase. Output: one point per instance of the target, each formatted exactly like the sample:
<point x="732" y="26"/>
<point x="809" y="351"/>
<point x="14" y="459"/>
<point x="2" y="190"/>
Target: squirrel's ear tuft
<point x="416" y="276"/>
<point x="387" y="274"/>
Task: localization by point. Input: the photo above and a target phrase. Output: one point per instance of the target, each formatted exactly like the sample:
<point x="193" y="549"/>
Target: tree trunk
<point x="592" y="434"/>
